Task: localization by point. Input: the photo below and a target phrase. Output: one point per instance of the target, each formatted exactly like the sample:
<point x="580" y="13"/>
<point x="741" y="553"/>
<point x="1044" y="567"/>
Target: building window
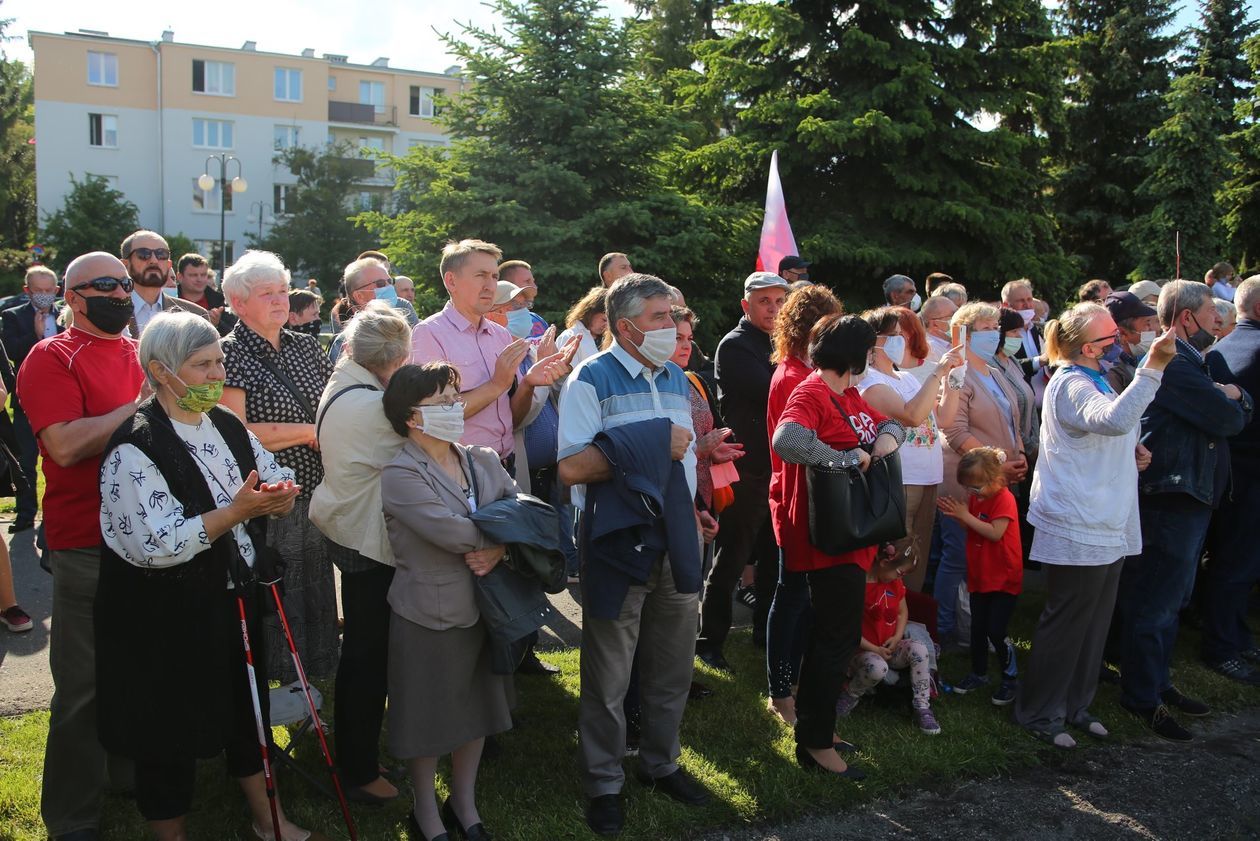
<point x="208" y="200"/>
<point x="111" y="180"/>
<point x="414" y="142"/>
<point x="212" y="134"/>
<point x="214" y="77"/>
<point x="375" y="143"/>
<point x="282" y="196"/>
<point x="288" y="84"/>
<point x="372" y="93"/>
<point x="332" y="83"/>
<point x="423" y="101"/>
<point x="103" y="130"/>
<point x="286" y="137"/>
<point x="102" y="69"/>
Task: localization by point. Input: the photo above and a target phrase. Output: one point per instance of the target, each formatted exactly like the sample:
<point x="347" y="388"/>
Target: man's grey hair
<point x="377" y="337"/>
<point x="170" y="338"/>
<point x="354" y="271"/>
<point x="1179" y="295"/>
<point x="955" y="292"/>
<point x="404" y="280"/>
<point x="895" y="282"/>
<point x="251" y="271"/>
<point x="129" y="243"/>
<point x="1008" y="290"/>
<point x="1247" y="297"/>
<point x="930" y="309"/>
<point x="627" y="297"/>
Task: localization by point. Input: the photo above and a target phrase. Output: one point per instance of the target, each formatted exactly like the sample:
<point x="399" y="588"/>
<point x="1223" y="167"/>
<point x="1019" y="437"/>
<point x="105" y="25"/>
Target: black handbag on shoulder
<point x="849" y="509"/>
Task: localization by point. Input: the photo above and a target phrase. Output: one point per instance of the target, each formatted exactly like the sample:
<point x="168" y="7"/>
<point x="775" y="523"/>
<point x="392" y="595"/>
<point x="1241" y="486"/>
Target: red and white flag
<point x="777" y="240"/>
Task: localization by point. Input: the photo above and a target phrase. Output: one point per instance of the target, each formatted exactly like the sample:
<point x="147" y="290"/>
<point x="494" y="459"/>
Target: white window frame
<point x="371" y="100"/>
<point x="205" y="133"/>
<point x="210" y="199"/>
<point x="377" y="143"/>
<point x="288" y="74"/>
<point x="105" y="66"/>
<point x="427" y="95"/>
<point x="106" y="124"/>
<point x="280" y="198"/>
<point x="224" y="83"/>
<point x="286" y="137"/>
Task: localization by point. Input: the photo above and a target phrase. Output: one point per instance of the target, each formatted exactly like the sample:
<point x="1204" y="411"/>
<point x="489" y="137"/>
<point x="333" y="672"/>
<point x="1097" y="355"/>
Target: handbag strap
<point x="319" y="422"/>
<point x="286" y="381"/>
<point x="848" y="420"/>
<point x="472" y="479"/>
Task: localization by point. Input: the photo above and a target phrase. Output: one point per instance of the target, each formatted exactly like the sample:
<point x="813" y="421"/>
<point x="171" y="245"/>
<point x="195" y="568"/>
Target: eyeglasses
<point x="374" y="284"/>
<point x="150" y="253"/>
<point x="445" y="403"/>
<point x="105" y="284"/>
<point x="1115" y="337"/>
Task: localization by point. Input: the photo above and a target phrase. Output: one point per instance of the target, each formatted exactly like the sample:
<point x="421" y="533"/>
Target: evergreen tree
<point x="1118" y="70"/>
<point x="1240" y="197"/>
<point x="1220" y="54"/>
<point x="1187" y="165"/>
<point x="93" y="217"/>
<point x="17" y="152"/>
<point x="557" y="156"/>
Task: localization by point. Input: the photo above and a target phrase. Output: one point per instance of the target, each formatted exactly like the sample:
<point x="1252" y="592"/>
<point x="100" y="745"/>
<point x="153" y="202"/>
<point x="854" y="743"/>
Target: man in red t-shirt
<point x="77" y="388"/>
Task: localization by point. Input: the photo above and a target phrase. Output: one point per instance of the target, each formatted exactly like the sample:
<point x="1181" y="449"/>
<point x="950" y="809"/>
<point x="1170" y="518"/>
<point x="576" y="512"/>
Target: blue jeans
<point x="1154" y="587"/>
<point x="787" y="631"/>
<point x="949" y="574"/>
<point x="1232" y="569"/>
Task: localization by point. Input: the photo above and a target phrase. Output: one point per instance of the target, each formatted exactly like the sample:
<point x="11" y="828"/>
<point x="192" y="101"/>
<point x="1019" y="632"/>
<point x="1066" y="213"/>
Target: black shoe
<point x="22" y="525"/>
<point x="415" y="833"/>
<point x="476" y="832"/>
<point x="355" y="794"/>
<point x="1183" y="704"/>
<point x="714" y="660"/>
<point x="605" y="815"/>
<point x="810" y="764"/>
<point x="1252" y="655"/>
<point x="843" y="747"/>
<point x="747" y="596"/>
<point x="1162" y="723"/>
<point x="698" y="691"/>
<point x="679" y="785"/>
<point x="1238" y="670"/>
<point x="531" y="665"/>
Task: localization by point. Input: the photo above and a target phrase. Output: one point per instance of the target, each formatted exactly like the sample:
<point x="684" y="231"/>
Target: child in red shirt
<point x="995" y="570"/>
<point x="885" y="645"/>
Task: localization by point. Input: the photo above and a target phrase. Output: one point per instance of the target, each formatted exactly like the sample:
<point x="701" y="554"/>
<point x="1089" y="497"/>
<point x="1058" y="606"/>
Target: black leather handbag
<point x="849" y="509"/>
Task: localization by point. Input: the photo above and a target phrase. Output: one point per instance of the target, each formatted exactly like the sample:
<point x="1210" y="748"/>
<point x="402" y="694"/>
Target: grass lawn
<point x="533" y="792"/>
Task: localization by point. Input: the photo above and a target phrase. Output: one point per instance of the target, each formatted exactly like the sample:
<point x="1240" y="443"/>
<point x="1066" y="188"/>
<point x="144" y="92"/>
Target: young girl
<point x="995" y="570"/>
<point x="884" y="644"/>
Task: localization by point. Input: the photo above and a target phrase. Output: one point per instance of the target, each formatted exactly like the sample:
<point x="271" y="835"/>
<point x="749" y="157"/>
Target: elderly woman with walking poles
<point x="186" y="492"/>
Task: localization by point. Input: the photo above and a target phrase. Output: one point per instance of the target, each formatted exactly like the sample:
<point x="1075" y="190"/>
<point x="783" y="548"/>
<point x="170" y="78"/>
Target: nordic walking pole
<point x="310" y="704"/>
<point x="268" y="779"/>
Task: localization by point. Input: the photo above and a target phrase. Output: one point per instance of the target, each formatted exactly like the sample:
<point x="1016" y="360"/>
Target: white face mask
<point x="658" y="345"/>
<point x="1027" y="315"/>
<point x="1144" y="344"/>
<point x="894" y="348"/>
<point x="446" y="423"/>
<point x="915" y="302"/>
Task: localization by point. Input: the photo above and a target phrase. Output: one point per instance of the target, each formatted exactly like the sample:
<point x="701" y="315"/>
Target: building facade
<point x="149" y="116"/>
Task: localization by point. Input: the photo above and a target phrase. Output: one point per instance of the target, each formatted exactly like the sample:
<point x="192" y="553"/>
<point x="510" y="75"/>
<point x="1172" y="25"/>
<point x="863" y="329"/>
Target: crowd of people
<point x="204" y="453"/>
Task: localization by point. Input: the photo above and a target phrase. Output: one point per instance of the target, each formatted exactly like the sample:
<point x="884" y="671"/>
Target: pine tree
<point x="1220" y="54"/>
<point x="17" y="153"/>
<point x="93" y="217"/>
<point x="1118" y="70"/>
<point x="1187" y="165"/>
<point x="1240" y="196"/>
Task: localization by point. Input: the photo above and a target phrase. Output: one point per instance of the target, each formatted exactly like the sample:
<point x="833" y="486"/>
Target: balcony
<point x="363" y="169"/>
<point x="359" y="114"/>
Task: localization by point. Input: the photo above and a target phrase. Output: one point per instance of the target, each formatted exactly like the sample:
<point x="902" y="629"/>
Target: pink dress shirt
<point x="473" y="349"/>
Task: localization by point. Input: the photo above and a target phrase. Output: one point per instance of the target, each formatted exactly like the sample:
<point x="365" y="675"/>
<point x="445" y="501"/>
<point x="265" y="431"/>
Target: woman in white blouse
<point x="185" y="493"/>
<point x="588" y="320"/>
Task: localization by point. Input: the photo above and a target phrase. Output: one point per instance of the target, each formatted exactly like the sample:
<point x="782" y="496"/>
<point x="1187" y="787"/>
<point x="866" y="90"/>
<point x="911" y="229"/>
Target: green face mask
<point x="199" y="398"/>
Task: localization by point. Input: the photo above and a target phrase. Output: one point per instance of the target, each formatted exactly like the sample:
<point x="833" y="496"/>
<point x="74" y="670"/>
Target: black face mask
<point x="1200" y="339"/>
<point x="108" y="314"/>
<point x="311" y="328"/>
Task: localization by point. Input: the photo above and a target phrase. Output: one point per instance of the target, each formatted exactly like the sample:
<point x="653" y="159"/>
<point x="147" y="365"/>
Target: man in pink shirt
<point x="486" y="355"/>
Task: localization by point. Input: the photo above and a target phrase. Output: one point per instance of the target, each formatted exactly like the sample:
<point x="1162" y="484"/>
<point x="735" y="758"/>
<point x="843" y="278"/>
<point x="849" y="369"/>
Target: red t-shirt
<point x="883" y="606"/>
<point x="995" y="566"/>
<point x="812" y="404"/>
<point x="67" y="377"/>
<point x="788" y="374"/>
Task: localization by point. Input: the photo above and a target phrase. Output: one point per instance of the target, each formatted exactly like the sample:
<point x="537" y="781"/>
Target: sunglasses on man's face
<point x="150" y="253"/>
<point x="104" y="284"/>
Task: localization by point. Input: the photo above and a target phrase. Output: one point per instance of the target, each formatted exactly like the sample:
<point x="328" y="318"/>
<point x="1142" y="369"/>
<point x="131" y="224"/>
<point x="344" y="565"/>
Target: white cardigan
<point x="1084" y="501"/>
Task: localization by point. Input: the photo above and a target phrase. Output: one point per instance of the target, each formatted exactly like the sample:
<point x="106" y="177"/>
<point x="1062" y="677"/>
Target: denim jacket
<point x="1189" y="423"/>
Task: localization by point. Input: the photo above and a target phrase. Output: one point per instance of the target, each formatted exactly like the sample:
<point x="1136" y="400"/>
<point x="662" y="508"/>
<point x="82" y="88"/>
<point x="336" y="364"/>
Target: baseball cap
<point x="792" y="261"/>
<point x="763" y="280"/>
<point x="1124" y="305"/>
<point x="1143" y="288"/>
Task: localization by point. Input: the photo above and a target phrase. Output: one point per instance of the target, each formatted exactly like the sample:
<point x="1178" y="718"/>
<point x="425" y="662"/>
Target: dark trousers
<point x="362" y="674"/>
<point x="836" y="594"/>
<point x="28" y="453"/>
<point x="1154" y="587"/>
<point x="743" y="534"/>
<point x="1232" y="569"/>
<point x="990" y="616"/>
<point x="787" y="631"/>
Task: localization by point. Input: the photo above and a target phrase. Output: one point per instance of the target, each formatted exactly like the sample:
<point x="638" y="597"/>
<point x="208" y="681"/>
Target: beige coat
<point x="979" y="415"/>
<point x="426" y="514"/>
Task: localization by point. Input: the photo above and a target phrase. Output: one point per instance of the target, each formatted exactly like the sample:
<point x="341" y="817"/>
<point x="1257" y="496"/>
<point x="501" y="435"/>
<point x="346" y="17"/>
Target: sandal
<point x="1091" y="726"/>
<point x="1060" y="740"/>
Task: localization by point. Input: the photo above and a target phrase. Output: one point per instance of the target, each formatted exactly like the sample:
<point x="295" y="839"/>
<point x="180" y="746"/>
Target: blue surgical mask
<point x="170" y="291"/>
<point x="1112" y="354"/>
<point x="387" y="293"/>
<point x="520" y="323"/>
<point x="984" y="343"/>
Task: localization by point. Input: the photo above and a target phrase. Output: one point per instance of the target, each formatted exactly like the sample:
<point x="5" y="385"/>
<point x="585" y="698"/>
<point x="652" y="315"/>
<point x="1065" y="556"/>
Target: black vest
<point x="166" y="638"/>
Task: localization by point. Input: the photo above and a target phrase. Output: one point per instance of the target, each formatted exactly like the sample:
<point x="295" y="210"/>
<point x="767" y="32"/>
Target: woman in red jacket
<point x="826" y="422"/>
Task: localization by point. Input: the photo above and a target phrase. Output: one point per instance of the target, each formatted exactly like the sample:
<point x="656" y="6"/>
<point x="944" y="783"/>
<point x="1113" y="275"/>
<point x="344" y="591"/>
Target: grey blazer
<point x="426" y="515"/>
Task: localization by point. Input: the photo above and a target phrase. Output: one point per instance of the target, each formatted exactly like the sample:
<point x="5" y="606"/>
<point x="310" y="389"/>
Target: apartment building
<point x="148" y="116"/>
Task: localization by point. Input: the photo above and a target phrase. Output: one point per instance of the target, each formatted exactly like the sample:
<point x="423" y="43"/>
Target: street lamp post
<point x="207" y="181"/>
<point x="260" y="205"/>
